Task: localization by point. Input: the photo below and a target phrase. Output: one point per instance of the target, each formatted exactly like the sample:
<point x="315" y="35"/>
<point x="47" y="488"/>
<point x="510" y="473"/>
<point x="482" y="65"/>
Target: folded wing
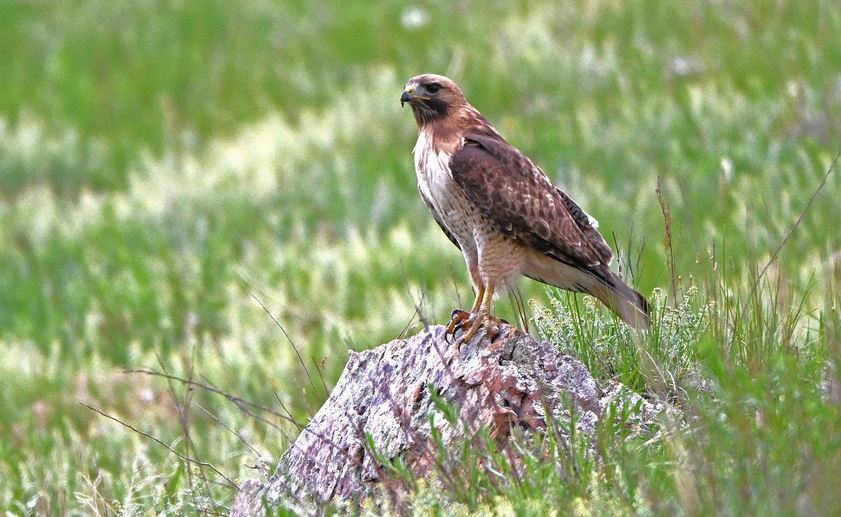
<point x="522" y="203"/>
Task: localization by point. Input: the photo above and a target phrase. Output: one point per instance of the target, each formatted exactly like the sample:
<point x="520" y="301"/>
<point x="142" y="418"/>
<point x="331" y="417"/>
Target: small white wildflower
<point x="727" y="168"/>
<point x="414" y="18"/>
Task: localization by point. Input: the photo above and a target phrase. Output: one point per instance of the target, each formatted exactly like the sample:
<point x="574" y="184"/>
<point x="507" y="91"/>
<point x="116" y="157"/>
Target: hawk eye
<point x="433" y="88"/>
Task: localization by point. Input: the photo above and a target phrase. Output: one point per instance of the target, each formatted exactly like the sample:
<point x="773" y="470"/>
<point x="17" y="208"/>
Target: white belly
<point x="436" y="184"/>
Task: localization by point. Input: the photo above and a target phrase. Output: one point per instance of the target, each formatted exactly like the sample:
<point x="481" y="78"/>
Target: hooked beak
<point x="406" y="97"/>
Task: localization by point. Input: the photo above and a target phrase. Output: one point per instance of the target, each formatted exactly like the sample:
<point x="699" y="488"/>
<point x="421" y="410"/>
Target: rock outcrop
<point x="384" y="403"/>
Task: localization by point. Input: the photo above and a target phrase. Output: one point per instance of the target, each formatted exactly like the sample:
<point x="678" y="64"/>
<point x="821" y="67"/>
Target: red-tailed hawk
<point x="502" y="211"/>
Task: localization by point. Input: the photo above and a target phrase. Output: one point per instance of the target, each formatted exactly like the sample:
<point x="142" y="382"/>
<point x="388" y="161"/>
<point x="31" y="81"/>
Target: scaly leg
<point x="478" y="303"/>
<point x="481" y="316"/>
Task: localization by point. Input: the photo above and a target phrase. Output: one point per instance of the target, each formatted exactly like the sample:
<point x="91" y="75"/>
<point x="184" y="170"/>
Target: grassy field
<point x="169" y="169"/>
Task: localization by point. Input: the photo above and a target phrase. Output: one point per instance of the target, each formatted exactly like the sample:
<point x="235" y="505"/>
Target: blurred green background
<point x="164" y="163"/>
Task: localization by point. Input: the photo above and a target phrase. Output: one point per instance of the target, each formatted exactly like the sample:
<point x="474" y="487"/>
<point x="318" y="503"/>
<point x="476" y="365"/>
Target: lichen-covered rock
<point x="386" y="393"/>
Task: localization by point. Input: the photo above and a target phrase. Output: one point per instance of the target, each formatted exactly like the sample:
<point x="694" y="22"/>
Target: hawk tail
<point x="628" y="304"/>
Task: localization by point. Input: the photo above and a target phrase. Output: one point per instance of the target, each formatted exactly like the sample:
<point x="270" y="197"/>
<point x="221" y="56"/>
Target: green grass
<point x="162" y="163"/>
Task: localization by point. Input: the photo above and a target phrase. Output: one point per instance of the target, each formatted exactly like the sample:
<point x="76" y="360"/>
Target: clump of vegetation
<point x="613" y="351"/>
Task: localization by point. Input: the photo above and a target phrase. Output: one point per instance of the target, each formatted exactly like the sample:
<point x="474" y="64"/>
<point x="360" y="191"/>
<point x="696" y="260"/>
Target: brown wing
<point x="522" y="203"/>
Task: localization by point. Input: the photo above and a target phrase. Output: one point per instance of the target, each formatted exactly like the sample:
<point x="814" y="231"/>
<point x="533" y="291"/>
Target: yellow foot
<point x="457" y="319"/>
<point x="479" y="320"/>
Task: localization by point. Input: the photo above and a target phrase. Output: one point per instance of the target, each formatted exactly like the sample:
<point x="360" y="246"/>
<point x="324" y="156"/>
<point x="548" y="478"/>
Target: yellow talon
<point x="481" y="314"/>
<point x="457" y="318"/>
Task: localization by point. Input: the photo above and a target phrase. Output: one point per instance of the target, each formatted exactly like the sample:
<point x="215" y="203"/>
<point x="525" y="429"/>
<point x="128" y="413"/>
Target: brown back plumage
<point x="524" y="204"/>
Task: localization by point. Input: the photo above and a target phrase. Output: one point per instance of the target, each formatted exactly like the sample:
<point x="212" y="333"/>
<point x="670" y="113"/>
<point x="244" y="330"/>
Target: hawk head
<point x="432" y="97"/>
